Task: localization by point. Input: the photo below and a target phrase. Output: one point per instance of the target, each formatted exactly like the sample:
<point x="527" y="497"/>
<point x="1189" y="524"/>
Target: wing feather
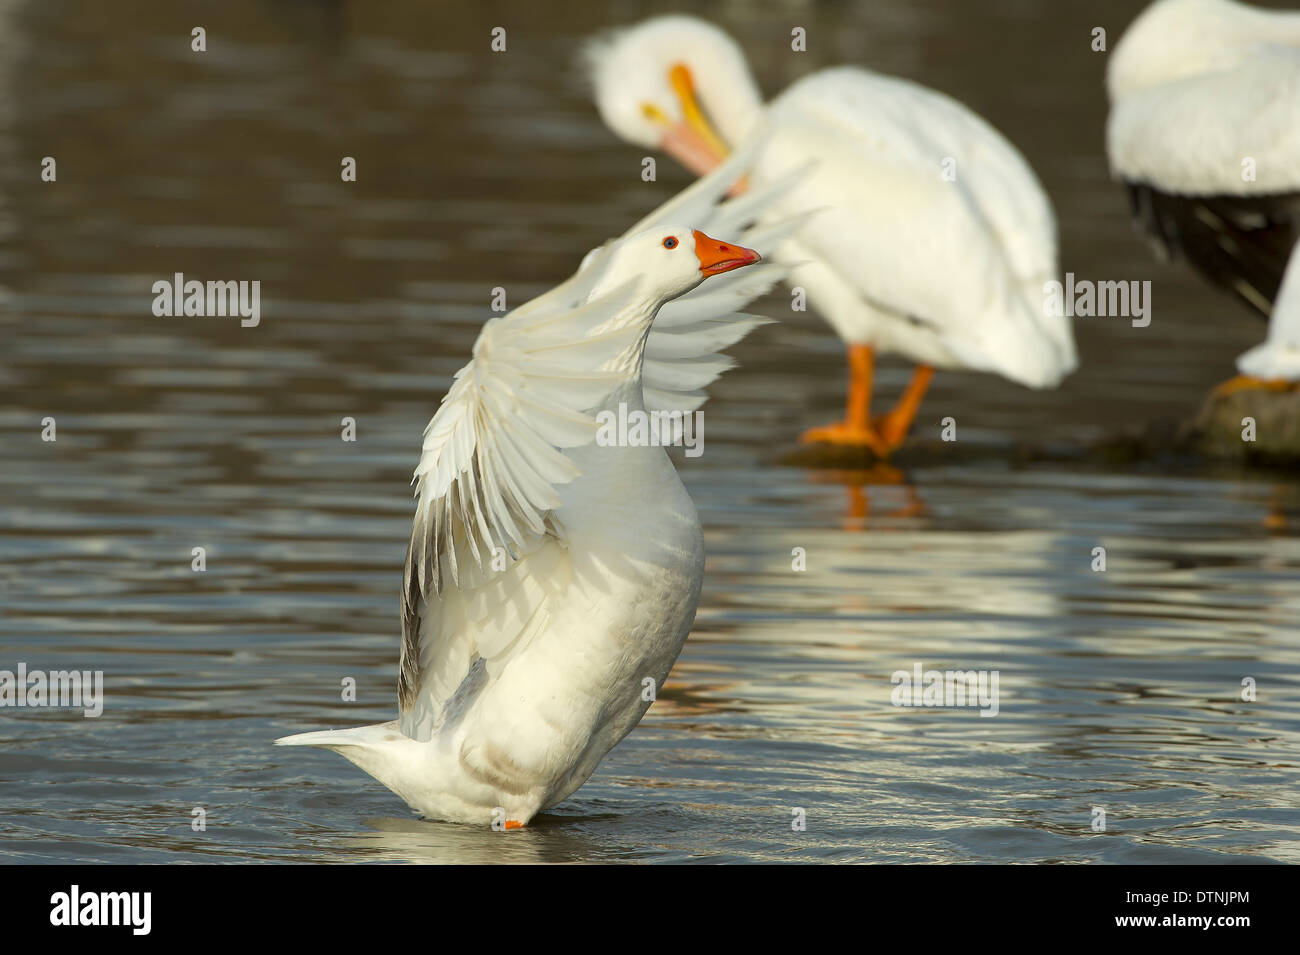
<point x="486" y="555"/>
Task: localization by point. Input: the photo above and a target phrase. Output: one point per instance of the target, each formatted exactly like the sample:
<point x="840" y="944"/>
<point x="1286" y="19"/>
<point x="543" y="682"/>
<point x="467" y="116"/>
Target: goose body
<point x="530" y="678"/>
<point x="552" y="578"/>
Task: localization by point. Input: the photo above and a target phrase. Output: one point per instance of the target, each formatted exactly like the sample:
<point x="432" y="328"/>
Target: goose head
<point x="669" y="261"/>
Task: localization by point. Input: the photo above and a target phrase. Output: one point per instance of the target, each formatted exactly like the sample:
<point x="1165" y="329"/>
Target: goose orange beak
<point x="718" y="257"/>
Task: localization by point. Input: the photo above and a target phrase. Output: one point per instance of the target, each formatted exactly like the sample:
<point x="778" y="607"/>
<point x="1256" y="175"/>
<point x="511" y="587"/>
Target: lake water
<point x="1119" y="690"/>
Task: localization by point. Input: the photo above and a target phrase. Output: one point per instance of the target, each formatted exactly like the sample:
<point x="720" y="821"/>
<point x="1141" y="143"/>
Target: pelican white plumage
<point x="550" y="580"/>
<point x="936" y="241"/>
<point x="1277" y="359"/>
<point x="1204" y="129"/>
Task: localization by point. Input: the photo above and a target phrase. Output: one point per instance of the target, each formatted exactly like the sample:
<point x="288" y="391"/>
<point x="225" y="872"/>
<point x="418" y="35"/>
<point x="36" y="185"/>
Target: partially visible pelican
<point x="935" y="240"/>
<point x="1204" y="129"/>
<point x="1265" y="396"/>
<point x="1275" y="363"/>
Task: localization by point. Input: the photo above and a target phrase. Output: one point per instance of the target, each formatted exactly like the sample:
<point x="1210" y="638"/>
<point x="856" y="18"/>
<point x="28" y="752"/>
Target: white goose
<point x="948" y="271"/>
<point x="551" y="581"/>
<point x="1204" y="129"/>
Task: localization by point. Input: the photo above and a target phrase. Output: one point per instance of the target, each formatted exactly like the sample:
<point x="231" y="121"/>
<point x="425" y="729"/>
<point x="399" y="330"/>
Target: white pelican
<point x="551" y="579"/>
<point x="936" y="240"/>
<point x="1204" y="129"/>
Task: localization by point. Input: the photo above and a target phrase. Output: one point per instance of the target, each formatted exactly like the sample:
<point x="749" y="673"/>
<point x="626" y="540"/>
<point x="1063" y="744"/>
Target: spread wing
<point x="485" y="487"/>
<point x="487" y="559"/>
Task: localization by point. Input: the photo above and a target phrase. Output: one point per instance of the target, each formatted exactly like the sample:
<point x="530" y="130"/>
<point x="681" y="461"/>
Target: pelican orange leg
<point x="856" y="428"/>
<point x="895" y="423"/>
<point x="884" y="434"/>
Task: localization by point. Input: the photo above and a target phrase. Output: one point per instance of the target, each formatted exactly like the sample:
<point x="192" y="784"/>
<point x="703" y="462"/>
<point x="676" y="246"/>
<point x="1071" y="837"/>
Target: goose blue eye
<point x="670" y="243"/>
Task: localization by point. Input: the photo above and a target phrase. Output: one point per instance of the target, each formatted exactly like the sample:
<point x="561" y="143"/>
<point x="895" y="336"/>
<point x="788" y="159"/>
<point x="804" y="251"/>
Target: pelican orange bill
<point x="718" y="257"/>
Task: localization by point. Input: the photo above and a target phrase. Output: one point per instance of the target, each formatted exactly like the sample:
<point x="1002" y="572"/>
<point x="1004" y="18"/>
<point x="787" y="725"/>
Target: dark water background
<point x="1119" y="690"/>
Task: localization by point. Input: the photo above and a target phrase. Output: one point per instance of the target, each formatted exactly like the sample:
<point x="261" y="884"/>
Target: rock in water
<point x="1255" y="425"/>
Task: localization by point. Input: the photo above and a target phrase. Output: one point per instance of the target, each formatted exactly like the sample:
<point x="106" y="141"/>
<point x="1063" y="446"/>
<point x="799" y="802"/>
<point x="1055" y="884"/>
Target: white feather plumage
<point x="1277" y="358"/>
<point x="1205" y="99"/>
<point x="947" y="272"/>
<point x="548" y="577"/>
